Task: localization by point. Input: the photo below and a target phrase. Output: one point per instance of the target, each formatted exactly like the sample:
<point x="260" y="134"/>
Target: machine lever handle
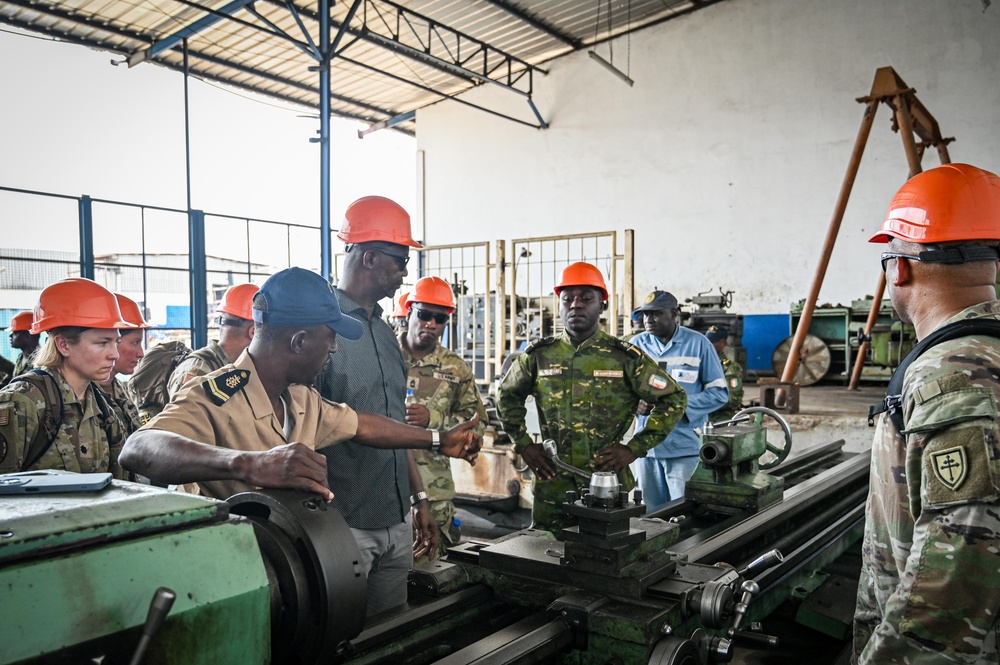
<point x="549" y="446"/>
<point x="762" y="563"/>
<point x="159" y="608"/>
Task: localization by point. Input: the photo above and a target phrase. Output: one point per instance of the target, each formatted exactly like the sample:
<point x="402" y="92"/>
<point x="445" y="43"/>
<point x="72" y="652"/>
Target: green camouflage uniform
<point x="82" y="444"/>
<point x="123" y="406"/>
<point x="445" y="384"/>
<point x="930" y="581"/>
<point x="200" y="362"/>
<point x="22" y="364"/>
<point x="734" y="382"/>
<point x="586" y="398"/>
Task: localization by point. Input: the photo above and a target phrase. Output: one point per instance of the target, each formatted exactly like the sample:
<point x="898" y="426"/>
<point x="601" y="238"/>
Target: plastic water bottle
<point x="411" y="397"/>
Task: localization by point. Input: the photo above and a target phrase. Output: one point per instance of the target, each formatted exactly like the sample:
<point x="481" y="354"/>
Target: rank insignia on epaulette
<point x="541" y="341"/>
<point x="629" y="347"/>
<point x="224" y="386"/>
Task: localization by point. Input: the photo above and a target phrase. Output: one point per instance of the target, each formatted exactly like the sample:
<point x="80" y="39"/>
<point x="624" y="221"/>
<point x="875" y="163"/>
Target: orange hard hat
<point x="238" y="300"/>
<point x="21" y="321"/>
<point x="131" y="312"/>
<point x="947" y="203"/>
<point x="582" y="274"/>
<point x="402" y="306"/>
<point x="376" y="219"/>
<point x="77" y="301"/>
<point x="433" y="291"/>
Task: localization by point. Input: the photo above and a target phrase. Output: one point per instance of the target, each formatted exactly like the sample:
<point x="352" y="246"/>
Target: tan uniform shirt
<point x="245" y="420"/>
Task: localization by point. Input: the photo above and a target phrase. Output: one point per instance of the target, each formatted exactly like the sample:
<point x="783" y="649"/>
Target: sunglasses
<point x="404" y="258"/>
<point x="425" y="315"/>
<point x="897" y="255"/>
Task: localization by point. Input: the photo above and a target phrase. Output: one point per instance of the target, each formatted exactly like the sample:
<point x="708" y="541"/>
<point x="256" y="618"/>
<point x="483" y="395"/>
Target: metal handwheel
<point x="779" y="452"/>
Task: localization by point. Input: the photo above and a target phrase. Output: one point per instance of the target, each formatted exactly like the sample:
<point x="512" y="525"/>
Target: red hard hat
<point x="402" y="306"/>
<point x="131" y="312"/>
<point x="376" y="218"/>
<point x="944" y="204"/>
<point x="21" y="321"/>
<point x="238" y="301"/>
<point x="77" y="302"/>
<point x="433" y="291"/>
<point x="582" y="274"/>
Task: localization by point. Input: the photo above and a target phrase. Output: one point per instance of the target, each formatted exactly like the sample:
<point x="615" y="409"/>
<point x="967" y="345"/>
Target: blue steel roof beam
<point x="94" y="43"/>
<point x="290" y="6"/>
<point x="537" y="23"/>
<point x="442" y="95"/>
<point x="168" y="42"/>
<point x="427" y="57"/>
<point x="309" y="50"/>
<point x="453" y="69"/>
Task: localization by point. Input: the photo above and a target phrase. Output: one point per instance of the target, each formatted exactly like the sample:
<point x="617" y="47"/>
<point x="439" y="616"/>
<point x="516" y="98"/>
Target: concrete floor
<point x="828" y="413"/>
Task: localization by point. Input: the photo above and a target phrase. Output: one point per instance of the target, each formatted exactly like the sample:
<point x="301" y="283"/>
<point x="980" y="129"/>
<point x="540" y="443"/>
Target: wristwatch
<point x="418" y="497"/>
<point x="435" y="440"/>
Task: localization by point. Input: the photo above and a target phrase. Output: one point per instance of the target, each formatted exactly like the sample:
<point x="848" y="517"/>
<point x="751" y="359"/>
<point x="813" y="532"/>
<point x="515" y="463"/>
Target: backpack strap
<point x="108" y="416"/>
<point x="51" y="421"/>
<point x="893" y="400"/>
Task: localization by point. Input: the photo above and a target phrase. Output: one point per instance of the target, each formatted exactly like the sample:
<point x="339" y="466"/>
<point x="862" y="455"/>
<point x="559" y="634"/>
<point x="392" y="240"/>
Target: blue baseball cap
<point x="298" y="297"/>
<point x="716" y="333"/>
<point x="654" y="302"/>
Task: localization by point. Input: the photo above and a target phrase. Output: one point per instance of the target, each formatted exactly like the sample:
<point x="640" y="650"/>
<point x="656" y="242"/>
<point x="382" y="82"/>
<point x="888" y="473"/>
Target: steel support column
<point x="86" y="216"/>
<point x="324" y="139"/>
<point x="199" y="279"/>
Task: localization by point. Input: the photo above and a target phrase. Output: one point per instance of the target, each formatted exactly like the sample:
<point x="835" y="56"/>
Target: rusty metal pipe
<point x="792" y="364"/>
<point x="859" y="361"/>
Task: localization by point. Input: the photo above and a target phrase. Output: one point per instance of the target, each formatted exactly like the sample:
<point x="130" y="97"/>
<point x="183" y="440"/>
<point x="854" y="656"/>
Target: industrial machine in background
<point x="272" y="576"/>
<point x="712" y="310"/>
<point x="829" y="350"/>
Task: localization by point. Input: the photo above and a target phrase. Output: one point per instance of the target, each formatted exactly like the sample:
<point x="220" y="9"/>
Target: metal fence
<point x="177" y="264"/>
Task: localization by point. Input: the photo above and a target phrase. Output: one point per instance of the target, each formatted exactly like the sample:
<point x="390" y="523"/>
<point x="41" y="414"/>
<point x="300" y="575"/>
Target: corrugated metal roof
<point x="391" y="59"/>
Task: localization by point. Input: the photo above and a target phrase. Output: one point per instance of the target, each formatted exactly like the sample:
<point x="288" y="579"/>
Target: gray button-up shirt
<point x="371" y="485"/>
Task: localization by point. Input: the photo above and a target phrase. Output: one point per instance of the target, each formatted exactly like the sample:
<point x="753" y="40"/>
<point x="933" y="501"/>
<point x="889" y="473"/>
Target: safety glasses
<point x="402" y="258"/>
<point x="897" y="255"/>
<point x="425" y="315"/>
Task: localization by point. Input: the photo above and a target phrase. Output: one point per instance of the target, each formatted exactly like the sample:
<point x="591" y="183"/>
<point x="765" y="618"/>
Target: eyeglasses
<point x="425" y="315"/>
<point x="404" y="258"/>
<point x="897" y="255"/>
<point x="233" y="323"/>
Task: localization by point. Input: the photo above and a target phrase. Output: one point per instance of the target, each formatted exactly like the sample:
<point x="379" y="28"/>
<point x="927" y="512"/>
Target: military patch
<point x="609" y="373"/>
<point x="629" y="348"/>
<point x="412" y="382"/>
<point x="550" y="372"/>
<point x="734" y="382"/>
<point x="950" y="466"/>
<point x="6" y="410"/>
<point x="444" y="376"/>
<point x="188" y="377"/>
<point x="224" y="386"/>
<point x="658" y="382"/>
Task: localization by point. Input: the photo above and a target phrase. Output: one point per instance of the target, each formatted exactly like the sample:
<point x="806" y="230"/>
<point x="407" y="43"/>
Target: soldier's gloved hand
<point x="536" y="459"/>
<point x="462" y="440"/>
<point x="418" y="415"/>
<point x="644" y="408"/>
<point x="613" y="458"/>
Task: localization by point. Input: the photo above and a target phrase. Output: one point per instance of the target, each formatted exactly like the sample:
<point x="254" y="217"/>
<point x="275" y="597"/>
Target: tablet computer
<point x="42" y="482"/>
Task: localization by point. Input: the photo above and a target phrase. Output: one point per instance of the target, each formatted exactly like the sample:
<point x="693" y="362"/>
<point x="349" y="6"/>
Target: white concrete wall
<point x="727" y="155"/>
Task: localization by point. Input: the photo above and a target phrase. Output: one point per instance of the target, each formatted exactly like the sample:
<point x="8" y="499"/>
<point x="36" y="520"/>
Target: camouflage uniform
<point x="445" y="384"/>
<point x="22" y="364"/>
<point x="123" y="406"/>
<point x="734" y="382"/>
<point x="930" y="590"/>
<point x="7" y="371"/>
<point x="586" y="397"/>
<point x="200" y="362"/>
<point x="82" y="444"/>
